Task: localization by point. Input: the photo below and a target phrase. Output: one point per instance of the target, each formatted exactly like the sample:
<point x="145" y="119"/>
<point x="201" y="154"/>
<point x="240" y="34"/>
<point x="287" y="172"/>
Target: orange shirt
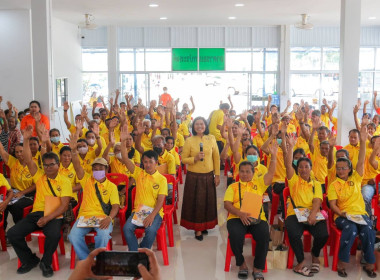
<point x="165" y="97"/>
<point x="29" y="120"/>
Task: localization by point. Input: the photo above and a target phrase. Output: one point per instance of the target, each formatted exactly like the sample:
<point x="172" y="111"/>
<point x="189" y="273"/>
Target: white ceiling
<point x="202" y="12"/>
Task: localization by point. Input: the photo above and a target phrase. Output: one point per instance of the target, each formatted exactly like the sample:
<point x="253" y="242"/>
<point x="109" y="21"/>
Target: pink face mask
<point x="99" y="174"/>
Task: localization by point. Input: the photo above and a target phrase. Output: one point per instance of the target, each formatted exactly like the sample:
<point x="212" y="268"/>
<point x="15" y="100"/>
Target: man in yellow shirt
<point x="97" y="192"/>
<point x="151" y="190"/>
<point x="354" y="146"/>
<point x="49" y="183"/>
<point x="216" y="123"/>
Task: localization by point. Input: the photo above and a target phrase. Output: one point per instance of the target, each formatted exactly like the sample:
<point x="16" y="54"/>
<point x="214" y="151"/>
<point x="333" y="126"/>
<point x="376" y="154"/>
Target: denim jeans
<point x="150" y="233"/>
<point x="349" y="232"/>
<point x="368" y="191"/>
<point x="77" y="239"/>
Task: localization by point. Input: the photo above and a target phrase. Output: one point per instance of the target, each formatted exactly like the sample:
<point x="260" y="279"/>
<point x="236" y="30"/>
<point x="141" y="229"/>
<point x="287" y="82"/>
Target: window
<point x="305" y="59"/>
<point x="314" y="74"/>
<point x="94" y="60"/>
<point x="61" y="91"/>
<point x="158" y="60"/>
<point x="94" y="74"/>
<point x="238" y="60"/>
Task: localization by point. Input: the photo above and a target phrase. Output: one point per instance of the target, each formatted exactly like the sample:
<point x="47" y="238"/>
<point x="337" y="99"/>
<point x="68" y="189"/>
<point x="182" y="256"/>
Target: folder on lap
<point x="252" y="203"/>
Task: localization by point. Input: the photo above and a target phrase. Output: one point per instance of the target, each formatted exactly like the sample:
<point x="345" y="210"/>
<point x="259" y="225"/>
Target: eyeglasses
<point x="49" y="165"/>
<point x="342" y="168"/>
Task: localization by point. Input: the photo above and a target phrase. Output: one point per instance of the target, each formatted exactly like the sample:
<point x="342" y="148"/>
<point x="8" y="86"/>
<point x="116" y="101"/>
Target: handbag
<point x="68" y="215"/>
<point x="105" y="206"/>
<point x="253" y="220"/>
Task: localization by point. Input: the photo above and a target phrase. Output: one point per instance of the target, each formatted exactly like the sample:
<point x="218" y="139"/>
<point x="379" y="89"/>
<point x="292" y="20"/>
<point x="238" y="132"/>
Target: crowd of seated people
<point x="265" y="152"/>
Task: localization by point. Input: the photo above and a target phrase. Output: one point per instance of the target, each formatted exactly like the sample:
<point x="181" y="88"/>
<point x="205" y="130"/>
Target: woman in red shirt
<point x="35" y="115"/>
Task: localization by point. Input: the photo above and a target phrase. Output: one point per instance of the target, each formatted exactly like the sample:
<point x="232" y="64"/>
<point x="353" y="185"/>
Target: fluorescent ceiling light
<point x="239" y="5"/>
<point x="231" y="17"/>
<point x="163" y="18"/>
<point x="372" y="18"/>
<point x="153" y="5"/>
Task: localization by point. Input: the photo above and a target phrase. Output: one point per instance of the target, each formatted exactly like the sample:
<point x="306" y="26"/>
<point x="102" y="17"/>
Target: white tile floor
<point x="188" y="259"/>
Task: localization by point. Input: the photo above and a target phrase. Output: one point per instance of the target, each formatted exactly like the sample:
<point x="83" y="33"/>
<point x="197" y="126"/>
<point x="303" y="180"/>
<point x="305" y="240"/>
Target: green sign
<point x="184" y="59"/>
<point x="211" y="59"/>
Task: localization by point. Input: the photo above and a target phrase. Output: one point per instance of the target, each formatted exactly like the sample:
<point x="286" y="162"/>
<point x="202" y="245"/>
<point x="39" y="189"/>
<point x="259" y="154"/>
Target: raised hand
<point x="365" y="120"/>
<point x="112" y="138"/>
<point x="244" y="115"/>
<point x="366" y="103"/>
<point x="160" y="111"/>
<point x="95" y="129"/>
<point x="274" y="129"/>
<point x="28" y="132"/>
<point x="275" y="118"/>
<point x="299" y="115"/>
<point x="363" y="133"/>
<point x="73" y="144"/>
<point x="356" y="109"/>
<point x="139" y="127"/>
<point x="66" y="106"/>
<point x="45" y="137"/>
<point x="111" y="100"/>
<point x="9" y="104"/>
<point x="191" y="98"/>
<point x="302" y="103"/>
<point x="291" y="140"/>
<point x="289" y="103"/>
<point x="123" y="133"/>
<point x="258" y="117"/>
<point x="269" y="98"/>
<point x="316" y="123"/>
<point x="273" y="148"/>
<point x="334" y="104"/>
<point x="324" y="101"/>
<point x="94" y="104"/>
<point x="332" y="140"/>
<point x="117" y="92"/>
<point x="79" y="124"/>
<point x="375" y="94"/>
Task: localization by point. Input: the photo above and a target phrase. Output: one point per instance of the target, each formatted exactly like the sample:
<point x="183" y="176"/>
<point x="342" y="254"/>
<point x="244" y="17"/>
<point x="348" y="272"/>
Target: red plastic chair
<point x="160" y="237"/>
<point x="119" y="179"/>
<point x="161" y="241"/>
<point x="170" y="210"/>
<point x="230" y="254"/>
<point x="3" y="240"/>
<point x="306" y="234"/>
<point x="375" y="201"/>
<point x="7" y="170"/>
<point x="41" y="242"/>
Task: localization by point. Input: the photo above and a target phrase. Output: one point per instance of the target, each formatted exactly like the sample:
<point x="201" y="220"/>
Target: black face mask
<point x="158" y="150"/>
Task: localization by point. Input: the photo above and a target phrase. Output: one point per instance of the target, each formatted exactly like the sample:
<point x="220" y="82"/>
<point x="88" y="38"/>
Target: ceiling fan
<point x="87" y="24"/>
<point x="304" y="24"/>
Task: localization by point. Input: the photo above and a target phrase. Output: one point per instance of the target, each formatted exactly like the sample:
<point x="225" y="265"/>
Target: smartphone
<point x="120" y="263"/>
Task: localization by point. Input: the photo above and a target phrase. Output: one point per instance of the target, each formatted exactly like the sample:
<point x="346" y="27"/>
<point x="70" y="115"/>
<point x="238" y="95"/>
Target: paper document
<point x="140" y="215"/>
<point x="304" y="213"/>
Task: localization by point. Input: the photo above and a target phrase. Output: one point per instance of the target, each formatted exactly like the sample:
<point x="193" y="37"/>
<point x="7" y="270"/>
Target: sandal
<point x="315" y="267"/>
<point x="342" y="273"/>
<point x="258" y="275"/>
<point x="304" y="272"/>
<point x="243" y="274"/>
<point x="370" y="273"/>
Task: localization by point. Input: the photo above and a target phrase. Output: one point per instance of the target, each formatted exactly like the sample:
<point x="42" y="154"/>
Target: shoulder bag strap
<point x="51" y="188"/>
<point x="99" y="195"/>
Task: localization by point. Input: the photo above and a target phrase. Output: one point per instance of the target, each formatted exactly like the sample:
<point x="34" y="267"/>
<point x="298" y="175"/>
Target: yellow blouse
<point x="211" y="160"/>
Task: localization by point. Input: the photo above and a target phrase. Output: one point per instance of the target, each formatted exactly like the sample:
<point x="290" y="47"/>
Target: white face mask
<point x="97" y="120"/>
<point x="118" y="155"/>
<point x="91" y="141"/>
<point x="83" y="150"/>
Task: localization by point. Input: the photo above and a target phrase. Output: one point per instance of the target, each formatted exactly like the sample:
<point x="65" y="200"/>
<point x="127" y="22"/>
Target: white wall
<point x="16" y="78"/>
<point x="67" y="63"/>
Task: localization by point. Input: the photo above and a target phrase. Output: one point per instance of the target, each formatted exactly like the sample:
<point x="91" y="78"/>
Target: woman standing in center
<point x="201" y="154"/>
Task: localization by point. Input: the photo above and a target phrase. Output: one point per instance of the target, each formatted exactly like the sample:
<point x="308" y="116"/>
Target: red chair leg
<point x="18" y="263"/>
<point x="162" y="241"/>
<point x="55" y="263"/>
<point x="265" y="269"/>
<point x="169" y="226"/>
<point x="184" y="169"/>
<point x="253" y="247"/>
<point x="336" y="252"/>
<point x="3" y="239"/>
<point x="307" y="243"/>
<point x="290" y="258"/>
<point x="109" y="245"/>
<point x="273" y="211"/>
<point x="62" y="246"/>
<point x="28" y="238"/>
<point x="72" y="260"/>
<point x="326" y="256"/>
<point x="229" y="255"/>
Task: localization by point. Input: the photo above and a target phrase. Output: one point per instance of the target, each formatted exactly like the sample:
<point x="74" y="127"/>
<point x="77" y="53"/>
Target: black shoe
<point x="25" y="268"/>
<point x="47" y="271"/>
<point x="199" y="237"/>
<point x="205" y="232"/>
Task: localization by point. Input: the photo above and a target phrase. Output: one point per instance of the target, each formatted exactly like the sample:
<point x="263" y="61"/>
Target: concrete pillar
<point x="113" y="77"/>
<point x="284" y="67"/>
<point x="349" y="66"/>
<point x="42" y="55"/>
